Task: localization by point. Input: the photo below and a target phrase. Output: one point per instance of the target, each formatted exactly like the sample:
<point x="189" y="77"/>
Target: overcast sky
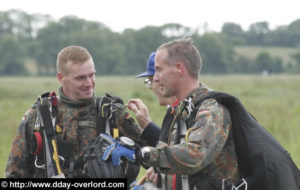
<point x="121" y="14"/>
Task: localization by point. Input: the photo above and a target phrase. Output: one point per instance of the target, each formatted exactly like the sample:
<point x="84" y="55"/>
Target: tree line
<point x="30" y="42"/>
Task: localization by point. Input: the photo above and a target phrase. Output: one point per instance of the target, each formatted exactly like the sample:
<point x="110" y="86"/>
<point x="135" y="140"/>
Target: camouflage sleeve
<point x="18" y="164"/>
<point x="128" y="127"/>
<point x="204" y="141"/>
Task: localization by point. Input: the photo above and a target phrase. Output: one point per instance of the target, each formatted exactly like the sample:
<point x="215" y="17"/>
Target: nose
<point x="156" y="77"/>
<point x="89" y="81"/>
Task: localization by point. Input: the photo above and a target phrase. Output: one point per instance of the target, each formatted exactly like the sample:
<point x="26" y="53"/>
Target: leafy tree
<point x="243" y="65"/>
<point x="11" y="55"/>
<point x="233" y="33"/>
<point x="140" y="43"/>
<point x="57" y="35"/>
<point x="296" y="57"/>
<point x="257" y="33"/>
<point x="217" y="56"/>
<point x="277" y="37"/>
<point x="293" y="33"/>
<point x="265" y="62"/>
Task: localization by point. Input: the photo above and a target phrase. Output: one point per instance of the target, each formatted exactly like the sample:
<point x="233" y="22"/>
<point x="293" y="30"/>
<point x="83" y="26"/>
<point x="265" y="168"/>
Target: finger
<point x="149" y="172"/>
<point x="138" y="102"/>
<point x="155" y="180"/>
<point x="133" y="100"/>
<point x="142" y="180"/>
<point x="108" y="151"/>
<point x="152" y="176"/>
<point x="133" y="108"/>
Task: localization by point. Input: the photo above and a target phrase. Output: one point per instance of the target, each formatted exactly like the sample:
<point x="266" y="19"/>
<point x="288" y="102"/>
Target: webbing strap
<point x="184" y="178"/>
<point x="100" y="120"/>
<point x="107" y="127"/>
<point x="52" y="162"/>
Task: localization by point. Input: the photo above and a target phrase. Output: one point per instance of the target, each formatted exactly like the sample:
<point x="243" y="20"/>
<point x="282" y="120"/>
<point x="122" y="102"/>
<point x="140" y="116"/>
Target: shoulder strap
<point x="53" y="168"/>
<point x="100" y="120"/>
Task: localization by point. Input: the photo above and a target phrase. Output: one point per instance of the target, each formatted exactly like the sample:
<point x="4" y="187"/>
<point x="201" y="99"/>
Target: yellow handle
<point x="55" y="156"/>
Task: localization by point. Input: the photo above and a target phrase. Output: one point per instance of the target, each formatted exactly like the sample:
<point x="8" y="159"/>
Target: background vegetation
<point x="29" y="45"/>
<point x="273" y="100"/>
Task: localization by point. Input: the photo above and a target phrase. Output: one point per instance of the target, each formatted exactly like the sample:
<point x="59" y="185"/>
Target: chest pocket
<point x="86" y="132"/>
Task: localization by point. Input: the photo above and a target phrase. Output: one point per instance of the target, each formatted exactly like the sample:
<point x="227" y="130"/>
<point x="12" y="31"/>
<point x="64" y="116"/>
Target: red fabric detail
<point x="175" y="103"/>
<point x="53" y="98"/>
<point x="174" y="182"/>
<point x="39" y="143"/>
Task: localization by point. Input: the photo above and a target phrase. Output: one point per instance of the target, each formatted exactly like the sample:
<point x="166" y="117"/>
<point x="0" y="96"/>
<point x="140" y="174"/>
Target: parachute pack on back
<point x="263" y="162"/>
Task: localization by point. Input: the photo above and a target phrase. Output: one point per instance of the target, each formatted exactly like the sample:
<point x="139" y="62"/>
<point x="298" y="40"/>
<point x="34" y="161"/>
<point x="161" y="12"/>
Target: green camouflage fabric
<point x="128" y="127"/>
<point x="208" y="152"/>
<point x="77" y="121"/>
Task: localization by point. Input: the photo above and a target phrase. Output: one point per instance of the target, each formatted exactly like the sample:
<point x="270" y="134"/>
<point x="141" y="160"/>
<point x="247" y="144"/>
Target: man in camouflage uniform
<point x="204" y="154"/>
<point x="76" y="118"/>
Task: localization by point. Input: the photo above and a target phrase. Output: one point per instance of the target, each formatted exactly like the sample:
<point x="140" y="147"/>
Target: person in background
<point x="140" y="109"/>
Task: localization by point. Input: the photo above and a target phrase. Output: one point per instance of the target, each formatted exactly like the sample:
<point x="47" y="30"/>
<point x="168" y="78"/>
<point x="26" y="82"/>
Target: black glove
<point x="115" y="99"/>
<point x="96" y="167"/>
<point x="112" y="107"/>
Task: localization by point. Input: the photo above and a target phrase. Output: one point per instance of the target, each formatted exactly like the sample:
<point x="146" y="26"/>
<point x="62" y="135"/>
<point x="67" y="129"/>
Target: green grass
<point x="251" y="52"/>
<point x="273" y="100"/>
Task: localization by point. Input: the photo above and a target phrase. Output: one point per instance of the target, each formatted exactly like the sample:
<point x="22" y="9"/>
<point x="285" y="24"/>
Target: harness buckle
<point x="242" y="184"/>
<point x="42" y="166"/>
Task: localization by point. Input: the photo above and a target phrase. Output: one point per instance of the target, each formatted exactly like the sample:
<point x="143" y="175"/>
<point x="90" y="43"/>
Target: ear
<point x="60" y="77"/>
<point x="180" y="68"/>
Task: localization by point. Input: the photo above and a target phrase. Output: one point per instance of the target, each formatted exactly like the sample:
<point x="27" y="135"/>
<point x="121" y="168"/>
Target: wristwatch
<point x="127" y="142"/>
<point x="146" y="153"/>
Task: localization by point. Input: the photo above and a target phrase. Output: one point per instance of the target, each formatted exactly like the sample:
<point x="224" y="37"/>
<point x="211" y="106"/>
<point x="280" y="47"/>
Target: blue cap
<point x="150" y="67"/>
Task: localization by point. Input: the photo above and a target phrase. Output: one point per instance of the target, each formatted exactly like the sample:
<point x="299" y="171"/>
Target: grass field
<point x="252" y="51"/>
<point x="273" y="100"/>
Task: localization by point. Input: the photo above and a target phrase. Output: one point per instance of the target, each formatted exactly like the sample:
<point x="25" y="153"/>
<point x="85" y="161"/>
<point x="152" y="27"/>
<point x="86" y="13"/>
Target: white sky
<point x="121" y="14"/>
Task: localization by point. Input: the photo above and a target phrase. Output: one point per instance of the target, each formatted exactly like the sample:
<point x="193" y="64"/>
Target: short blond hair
<point x="74" y="54"/>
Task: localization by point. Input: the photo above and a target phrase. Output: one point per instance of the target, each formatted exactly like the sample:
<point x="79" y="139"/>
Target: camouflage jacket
<point x="77" y="121"/>
<point x="208" y="152"/>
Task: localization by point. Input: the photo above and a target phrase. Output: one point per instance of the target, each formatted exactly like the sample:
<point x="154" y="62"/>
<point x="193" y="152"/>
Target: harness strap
<point x="100" y="121"/>
<point x="184" y="178"/>
<point x="53" y="166"/>
<point x="107" y="127"/>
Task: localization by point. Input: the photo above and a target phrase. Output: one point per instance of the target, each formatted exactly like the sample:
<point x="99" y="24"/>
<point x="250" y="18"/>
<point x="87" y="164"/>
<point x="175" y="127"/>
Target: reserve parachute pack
<point x="263" y="163"/>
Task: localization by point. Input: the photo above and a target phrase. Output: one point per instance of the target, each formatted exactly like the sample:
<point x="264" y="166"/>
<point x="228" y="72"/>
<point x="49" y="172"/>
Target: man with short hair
<point x="74" y="117"/>
<point x="206" y="150"/>
<point x="213" y="143"/>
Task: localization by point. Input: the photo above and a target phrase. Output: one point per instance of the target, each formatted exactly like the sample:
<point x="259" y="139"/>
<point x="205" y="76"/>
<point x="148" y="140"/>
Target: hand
<point x="140" y="110"/>
<point x="152" y="176"/>
<point x="116" y="150"/>
<point x="135" y="186"/>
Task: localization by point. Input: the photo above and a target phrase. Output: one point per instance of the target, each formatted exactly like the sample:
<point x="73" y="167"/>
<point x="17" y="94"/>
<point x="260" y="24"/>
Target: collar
<point x="73" y="103"/>
<point x="188" y="104"/>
